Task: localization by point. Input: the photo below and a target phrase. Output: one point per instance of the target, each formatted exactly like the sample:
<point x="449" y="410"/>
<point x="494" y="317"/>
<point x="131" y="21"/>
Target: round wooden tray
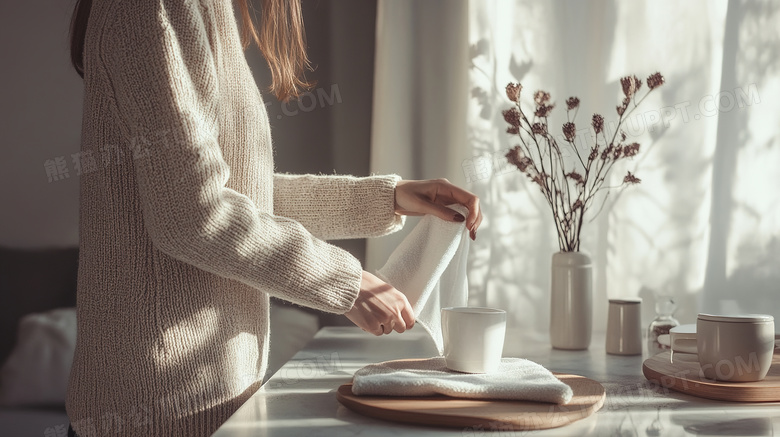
<point x="684" y="376"/>
<point x="447" y="411"/>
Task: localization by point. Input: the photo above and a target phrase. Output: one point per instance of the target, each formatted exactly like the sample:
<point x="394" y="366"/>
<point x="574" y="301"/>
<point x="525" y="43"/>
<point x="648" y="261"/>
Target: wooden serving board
<point x="683" y="376"/>
<point x="447" y="411"/>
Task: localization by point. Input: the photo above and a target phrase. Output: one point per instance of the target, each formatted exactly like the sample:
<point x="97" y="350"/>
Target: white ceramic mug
<point x="735" y="348"/>
<point x="624" y="327"/>
<point x="473" y="338"/>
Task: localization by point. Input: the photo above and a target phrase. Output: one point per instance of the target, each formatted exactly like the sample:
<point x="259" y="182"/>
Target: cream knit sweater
<point x="185" y="230"/>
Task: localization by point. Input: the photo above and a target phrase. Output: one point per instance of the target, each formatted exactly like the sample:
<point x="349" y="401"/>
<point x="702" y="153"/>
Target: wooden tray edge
<point x="707" y="390"/>
<point x="344" y="394"/>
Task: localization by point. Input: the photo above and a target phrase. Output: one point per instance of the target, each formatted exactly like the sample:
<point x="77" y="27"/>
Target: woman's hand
<point x="432" y="196"/>
<point x="380" y="308"/>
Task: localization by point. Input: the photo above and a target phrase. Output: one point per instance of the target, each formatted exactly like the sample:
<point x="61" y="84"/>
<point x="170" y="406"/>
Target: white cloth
<point x="429" y="267"/>
<point x="515" y="379"/>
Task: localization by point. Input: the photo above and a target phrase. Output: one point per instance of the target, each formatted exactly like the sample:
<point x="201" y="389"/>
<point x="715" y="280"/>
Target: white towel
<point x="429" y="267"/>
<point x="515" y="379"/>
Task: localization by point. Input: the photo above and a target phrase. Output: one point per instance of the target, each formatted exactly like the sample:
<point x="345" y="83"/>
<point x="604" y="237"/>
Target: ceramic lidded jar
<point x="624" y="327"/>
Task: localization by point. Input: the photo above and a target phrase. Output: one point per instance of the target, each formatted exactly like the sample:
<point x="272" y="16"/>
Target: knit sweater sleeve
<point x="335" y="207"/>
<point x="158" y="57"/>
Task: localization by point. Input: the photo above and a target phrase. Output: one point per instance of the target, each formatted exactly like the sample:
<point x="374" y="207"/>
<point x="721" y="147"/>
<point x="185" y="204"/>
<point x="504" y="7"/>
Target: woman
<point x="185" y="230"/>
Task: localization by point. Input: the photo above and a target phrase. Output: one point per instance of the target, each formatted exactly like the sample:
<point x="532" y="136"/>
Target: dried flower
<point x="513" y="91"/>
<point x="539" y="128"/>
<point x="516" y="158"/>
<point x="631" y="85"/>
<point x="570" y="179"/>
<point x="630" y="150"/>
<point x="618" y="152"/>
<point x="513" y="155"/>
<point x="594" y="152"/>
<point x="598" y="123"/>
<point x="569" y="131"/>
<point x="512" y="116"/>
<point x="541" y="97"/>
<point x="543" y="110"/>
<point x="655" y="80"/>
<point x="576" y="177"/>
<point x="631" y="179"/>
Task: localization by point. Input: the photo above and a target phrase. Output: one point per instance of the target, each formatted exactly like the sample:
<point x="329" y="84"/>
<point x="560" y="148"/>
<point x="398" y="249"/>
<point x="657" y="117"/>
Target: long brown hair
<point x="281" y="39"/>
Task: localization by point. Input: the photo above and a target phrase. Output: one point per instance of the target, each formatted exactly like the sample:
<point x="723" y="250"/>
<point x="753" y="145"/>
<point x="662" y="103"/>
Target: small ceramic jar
<point x="624" y="327"/>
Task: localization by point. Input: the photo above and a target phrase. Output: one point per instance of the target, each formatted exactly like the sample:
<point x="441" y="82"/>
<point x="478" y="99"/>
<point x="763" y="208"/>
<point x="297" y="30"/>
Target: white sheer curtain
<point x="420" y="97"/>
<point x="704" y="224"/>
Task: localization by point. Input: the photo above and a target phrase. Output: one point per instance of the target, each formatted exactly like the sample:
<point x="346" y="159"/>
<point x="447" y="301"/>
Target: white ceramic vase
<point x="571" y="301"/>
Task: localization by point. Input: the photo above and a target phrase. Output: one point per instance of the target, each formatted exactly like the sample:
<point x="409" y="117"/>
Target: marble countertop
<point x="300" y="399"/>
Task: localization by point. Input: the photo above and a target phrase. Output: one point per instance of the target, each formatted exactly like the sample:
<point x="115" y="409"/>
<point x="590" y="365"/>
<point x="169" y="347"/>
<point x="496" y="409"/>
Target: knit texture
<point x="184" y="228"/>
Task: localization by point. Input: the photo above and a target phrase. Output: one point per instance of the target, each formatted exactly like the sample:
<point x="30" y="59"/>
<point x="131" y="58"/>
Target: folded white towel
<point x="515" y="379"/>
<point x="429" y="267"/>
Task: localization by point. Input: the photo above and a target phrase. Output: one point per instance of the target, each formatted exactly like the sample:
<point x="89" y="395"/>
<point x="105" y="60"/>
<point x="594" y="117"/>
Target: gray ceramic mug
<point x="736" y="348"/>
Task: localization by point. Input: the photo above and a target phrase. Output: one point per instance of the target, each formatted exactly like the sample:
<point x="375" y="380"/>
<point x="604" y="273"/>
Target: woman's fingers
<point x="470" y="201"/>
<point x="365" y="320"/>
<point x="407" y="313"/>
<point x="433" y="196"/>
<point x="380" y="308"/>
<point x="410" y="213"/>
<point x="397" y="308"/>
<point x="404" y="316"/>
<point x="427" y="207"/>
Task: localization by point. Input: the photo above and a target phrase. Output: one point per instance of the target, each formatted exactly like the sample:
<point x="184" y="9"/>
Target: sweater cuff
<point x="383" y="201"/>
<point x="341" y="295"/>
